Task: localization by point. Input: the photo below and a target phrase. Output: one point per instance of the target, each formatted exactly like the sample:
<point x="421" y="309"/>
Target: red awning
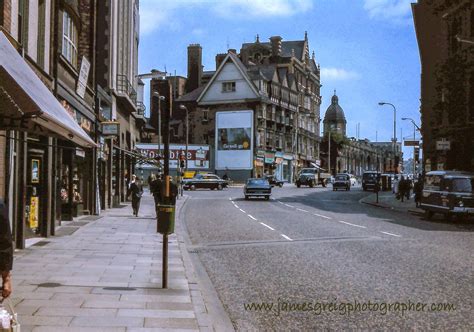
<point x="27" y="104"/>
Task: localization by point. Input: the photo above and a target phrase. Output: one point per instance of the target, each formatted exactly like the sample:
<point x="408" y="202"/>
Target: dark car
<point x="449" y="193"/>
<point x="342" y="181"/>
<point x="369" y="180"/>
<point x="209" y="181"/>
<point x="312" y="176"/>
<point x="274" y="181"/>
<point x="257" y="188"/>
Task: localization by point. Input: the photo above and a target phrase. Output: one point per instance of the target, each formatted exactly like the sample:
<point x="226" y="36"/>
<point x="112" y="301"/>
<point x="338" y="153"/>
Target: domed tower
<point x="334" y="119"/>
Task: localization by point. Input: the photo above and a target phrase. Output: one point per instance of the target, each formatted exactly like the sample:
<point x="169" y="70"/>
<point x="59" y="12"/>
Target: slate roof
<point x="286" y="47"/>
<point x="334" y="111"/>
<point x="191" y="96"/>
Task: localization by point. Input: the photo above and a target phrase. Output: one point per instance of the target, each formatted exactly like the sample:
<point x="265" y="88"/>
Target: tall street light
<point x="187" y="134"/>
<point x="394" y="130"/>
<point x="160" y="98"/>
<point x="415" y="127"/>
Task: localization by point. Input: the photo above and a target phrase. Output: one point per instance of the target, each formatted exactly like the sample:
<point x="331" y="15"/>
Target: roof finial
<point x="258" y="39"/>
<point x="334" y="91"/>
<point x="313" y="55"/>
<point x="306" y="35"/>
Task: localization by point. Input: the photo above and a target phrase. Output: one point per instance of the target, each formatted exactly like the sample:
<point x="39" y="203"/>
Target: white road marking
<point x="348" y="223"/>
<point x="267" y="226"/>
<point x="391" y="234"/>
<point x="302" y="210"/>
<point x="320" y="215"/>
<point x="242" y="211"/>
<point x="281" y="202"/>
<point x="250" y="216"/>
<point x="230" y="198"/>
<point x="289" y="205"/>
<point x="236" y="206"/>
<point x="286" y="237"/>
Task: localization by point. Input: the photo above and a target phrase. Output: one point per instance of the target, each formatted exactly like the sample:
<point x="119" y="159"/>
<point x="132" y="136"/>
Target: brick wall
<point x="5" y="14"/>
<point x="2" y="164"/>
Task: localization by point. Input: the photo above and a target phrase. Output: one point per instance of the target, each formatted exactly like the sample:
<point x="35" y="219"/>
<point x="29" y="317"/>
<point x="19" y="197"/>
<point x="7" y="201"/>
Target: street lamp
<point x="415" y="127"/>
<point x="187" y="134"/>
<point x="160" y="98"/>
<point x="394" y="130"/>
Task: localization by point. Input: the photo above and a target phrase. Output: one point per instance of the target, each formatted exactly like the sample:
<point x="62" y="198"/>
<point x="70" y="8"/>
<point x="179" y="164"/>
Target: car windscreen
<point x="308" y="171"/>
<point x="463" y="185"/>
<point x="369" y="175"/>
<point x="341" y="178"/>
<point x="257" y="182"/>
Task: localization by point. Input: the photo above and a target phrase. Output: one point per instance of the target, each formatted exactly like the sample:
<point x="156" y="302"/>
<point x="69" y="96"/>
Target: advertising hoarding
<point x="234" y="140"/>
<point x="198" y="155"/>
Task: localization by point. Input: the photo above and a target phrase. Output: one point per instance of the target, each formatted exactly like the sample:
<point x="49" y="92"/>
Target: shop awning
<point x="26" y="103"/>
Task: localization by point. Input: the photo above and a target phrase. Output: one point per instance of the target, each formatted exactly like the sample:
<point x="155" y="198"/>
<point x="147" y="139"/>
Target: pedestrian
<point x="155" y="189"/>
<point x="408" y="188"/>
<point x="396" y="184"/>
<point x="136" y="190"/>
<point x="402" y="188"/>
<point x="6" y="251"/>
<point x="418" y="189"/>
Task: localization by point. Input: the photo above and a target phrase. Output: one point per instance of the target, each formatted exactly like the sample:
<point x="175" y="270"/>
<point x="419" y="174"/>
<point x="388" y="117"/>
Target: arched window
<point x="69" y="49"/>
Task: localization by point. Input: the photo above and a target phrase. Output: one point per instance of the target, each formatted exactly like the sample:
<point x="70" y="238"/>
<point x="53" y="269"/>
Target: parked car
<point x="209" y="181"/>
<point x="449" y="193"/>
<point x="274" y="181"/>
<point x="342" y="181"/>
<point x="257" y="188"/>
<point x="369" y="180"/>
<point x="312" y="177"/>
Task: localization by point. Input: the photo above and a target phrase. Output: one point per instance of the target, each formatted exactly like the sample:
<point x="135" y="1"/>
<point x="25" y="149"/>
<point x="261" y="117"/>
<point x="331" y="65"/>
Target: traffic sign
<point x="443" y="145"/>
<point x="412" y="143"/>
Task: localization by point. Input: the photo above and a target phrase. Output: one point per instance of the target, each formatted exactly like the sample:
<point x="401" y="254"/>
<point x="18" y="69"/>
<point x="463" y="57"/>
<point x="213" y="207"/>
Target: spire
<point x="313" y="55"/>
<point x="258" y="39"/>
<point x="334" y="91"/>
<point x="306" y="35"/>
<point x="335" y="99"/>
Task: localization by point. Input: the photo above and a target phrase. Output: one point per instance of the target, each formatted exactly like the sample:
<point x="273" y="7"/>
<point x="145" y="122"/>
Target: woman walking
<point x="136" y="190"/>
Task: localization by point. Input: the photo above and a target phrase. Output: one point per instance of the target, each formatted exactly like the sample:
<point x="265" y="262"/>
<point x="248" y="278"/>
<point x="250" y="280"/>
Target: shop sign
<point x="80" y="153"/>
<point x="411" y="143"/>
<point x="260" y="153"/>
<point x="198" y="155"/>
<point x="83" y="77"/>
<point x="111" y="128"/>
<point x="269" y="157"/>
<point x="34" y="212"/>
<point x="85" y="123"/>
<point x="288" y="156"/>
<point x="443" y="145"/>
<point x="279" y="154"/>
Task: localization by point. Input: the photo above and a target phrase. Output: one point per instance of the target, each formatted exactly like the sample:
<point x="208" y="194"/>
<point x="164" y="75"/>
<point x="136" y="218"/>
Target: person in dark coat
<point x="136" y="190"/>
<point x="155" y="189"/>
<point x="402" y="187"/>
<point x="6" y="251"/>
<point x="418" y="189"/>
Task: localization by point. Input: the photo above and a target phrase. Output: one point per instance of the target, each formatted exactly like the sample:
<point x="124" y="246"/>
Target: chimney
<point x="219" y="58"/>
<point x="232" y="50"/>
<point x="194" y="67"/>
<point x="276" y="45"/>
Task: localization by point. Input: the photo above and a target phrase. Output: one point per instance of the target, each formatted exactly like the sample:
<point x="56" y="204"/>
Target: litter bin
<point x="165" y="222"/>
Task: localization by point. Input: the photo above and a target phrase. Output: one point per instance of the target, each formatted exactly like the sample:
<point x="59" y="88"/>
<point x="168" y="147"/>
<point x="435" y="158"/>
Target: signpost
<point x="443" y="145"/>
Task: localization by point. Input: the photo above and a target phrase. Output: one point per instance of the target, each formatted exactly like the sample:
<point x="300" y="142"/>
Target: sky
<point x="367" y="49"/>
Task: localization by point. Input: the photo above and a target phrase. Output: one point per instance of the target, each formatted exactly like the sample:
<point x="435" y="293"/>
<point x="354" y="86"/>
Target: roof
<point x="286" y="48"/>
<point x="191" y="96"/>
<point x="334" y="111"/>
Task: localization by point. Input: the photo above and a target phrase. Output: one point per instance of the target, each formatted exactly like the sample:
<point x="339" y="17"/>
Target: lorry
<point x="312" y="176"/>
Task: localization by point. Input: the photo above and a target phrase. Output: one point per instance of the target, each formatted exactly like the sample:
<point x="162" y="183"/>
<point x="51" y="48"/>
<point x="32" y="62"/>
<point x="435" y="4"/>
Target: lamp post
<point x="394" y="130"/>
<point x="415" y="127"/>
<point x="187" y="135"/>
<point x="160" y="98"/>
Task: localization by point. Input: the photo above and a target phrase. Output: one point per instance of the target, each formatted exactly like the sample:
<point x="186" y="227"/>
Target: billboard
<point x="198" y="155"/>
<point x="234" y="140"/>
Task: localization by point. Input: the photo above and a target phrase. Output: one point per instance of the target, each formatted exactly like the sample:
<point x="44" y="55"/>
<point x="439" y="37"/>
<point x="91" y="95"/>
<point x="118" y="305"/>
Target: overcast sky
<point x="367" y="49"/>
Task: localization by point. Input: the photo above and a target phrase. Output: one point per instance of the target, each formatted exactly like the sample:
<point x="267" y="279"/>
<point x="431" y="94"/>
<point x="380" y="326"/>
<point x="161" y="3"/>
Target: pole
<point x="329" y="153"/>
<point x="159" y="126"/>
<point x="166" y="171"/>
<point x="394" y="138"/>
<point x="187" y="139"/>
<point x="414" y="162"/>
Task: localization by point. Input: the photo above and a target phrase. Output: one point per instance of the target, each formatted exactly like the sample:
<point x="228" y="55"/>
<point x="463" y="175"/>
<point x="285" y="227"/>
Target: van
<point x="449" y="193"/>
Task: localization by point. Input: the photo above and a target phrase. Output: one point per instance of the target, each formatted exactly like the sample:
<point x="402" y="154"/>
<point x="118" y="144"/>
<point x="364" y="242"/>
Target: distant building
<point x="353" y="155"/>
<point x="259" y="110"/>
<point x="445" y="34"/>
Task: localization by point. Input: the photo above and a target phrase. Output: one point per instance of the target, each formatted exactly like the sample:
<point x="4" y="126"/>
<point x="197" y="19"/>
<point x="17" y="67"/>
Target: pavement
<point x="387" y="200"/>
<point x="104" y="273"/>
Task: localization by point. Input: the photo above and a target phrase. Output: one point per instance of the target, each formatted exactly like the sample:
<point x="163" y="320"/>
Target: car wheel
<point x="212" y="188"/>
<point x="193" y="187"/>
<point x="280" y="185"/>
<point x="298" y="185"/>
<point x="428" y="214"/>
<point x="246" y="198"/>
<point x="311" y="184"/>
<point x="267" y="198"/>
<point x="219" y="186"/>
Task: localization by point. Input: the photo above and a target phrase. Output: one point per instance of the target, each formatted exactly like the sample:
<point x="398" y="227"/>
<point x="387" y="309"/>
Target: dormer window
<point x="228" y="87"/>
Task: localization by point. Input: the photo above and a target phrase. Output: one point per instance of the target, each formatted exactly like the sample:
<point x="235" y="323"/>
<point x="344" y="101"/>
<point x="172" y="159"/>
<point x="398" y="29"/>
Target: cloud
<point x="157" y="14"/>
<point x="198" y="32"/>
<point x="395" y="11"/>
<point x="338" y="74"/>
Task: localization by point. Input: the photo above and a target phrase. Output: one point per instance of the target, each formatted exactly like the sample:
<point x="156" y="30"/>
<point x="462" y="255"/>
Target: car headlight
<point x="461" y="204"/>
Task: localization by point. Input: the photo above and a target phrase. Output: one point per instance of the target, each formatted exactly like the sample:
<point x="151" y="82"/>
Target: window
<point x="228" y="87"/>
<point x="69" y="50"/>
<point x="205" y="115"/>
<point x="41" y="33"/>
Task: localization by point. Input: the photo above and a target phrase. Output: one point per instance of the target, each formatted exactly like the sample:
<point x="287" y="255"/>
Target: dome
<point x="335" y="113"/>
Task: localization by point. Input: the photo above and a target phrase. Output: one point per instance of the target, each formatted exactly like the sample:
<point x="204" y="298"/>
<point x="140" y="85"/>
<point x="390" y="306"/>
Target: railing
<point x="124" y="86"/>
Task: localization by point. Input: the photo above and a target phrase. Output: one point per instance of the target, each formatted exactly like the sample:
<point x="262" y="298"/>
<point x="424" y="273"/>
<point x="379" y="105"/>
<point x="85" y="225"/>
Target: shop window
<point x="69" y="49"/>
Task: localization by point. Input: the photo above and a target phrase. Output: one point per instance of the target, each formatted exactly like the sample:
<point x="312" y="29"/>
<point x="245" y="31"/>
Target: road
<point x="317" y="259"/>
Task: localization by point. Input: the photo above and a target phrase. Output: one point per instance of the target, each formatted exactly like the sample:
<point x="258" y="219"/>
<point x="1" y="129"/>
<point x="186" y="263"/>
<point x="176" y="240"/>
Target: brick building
<point x="445" y="34"/>
<point x="276" y="87"/>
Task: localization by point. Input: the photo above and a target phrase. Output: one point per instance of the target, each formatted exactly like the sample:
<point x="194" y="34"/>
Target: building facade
<point x="259" y="111"/>
<point x="445" y="34"/>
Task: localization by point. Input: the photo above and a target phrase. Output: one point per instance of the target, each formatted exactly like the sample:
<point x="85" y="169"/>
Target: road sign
<point x="411" y="143"/>
<point x="443" y="145"/>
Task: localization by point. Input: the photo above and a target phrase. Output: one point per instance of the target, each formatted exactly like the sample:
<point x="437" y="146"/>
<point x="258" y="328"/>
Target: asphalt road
<point x="318" y="259"/>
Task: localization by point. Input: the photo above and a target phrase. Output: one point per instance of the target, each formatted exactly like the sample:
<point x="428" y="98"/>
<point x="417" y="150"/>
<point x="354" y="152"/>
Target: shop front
<point x="34" y="125"/>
